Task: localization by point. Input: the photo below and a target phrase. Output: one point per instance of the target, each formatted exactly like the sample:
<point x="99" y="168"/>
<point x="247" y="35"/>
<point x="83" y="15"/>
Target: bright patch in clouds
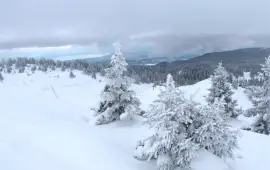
<point x="60" y="52"/>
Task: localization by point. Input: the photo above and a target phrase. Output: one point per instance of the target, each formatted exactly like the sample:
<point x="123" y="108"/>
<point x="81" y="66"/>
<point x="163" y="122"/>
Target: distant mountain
<point x="201" y="67"/>
<point x="235" y="61"/>
<point x="247" y="57"/>
<point x="138" y="58"/>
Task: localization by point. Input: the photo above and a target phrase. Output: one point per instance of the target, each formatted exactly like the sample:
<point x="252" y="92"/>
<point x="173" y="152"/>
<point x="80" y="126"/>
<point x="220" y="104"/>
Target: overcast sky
<point x="31" y="23"/>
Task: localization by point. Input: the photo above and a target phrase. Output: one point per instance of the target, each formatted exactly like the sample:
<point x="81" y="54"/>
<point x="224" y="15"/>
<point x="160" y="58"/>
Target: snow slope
<point x="46" y="125"/>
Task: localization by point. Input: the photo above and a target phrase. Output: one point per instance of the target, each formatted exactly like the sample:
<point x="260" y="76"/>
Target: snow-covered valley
<point x="46" y="124"/>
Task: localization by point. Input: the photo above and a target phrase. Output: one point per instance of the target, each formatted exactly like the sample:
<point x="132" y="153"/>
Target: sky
<point x="96" y="24"/>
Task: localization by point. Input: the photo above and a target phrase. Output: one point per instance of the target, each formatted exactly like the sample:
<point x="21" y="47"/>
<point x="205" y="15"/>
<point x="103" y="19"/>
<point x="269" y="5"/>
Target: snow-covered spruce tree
<point x="8" y="69"/>
<point x="71" y="75"/>
<point x="1" y="77"/>
<point x="118" y="101"/>
<point x="63" y="68"/>
<point x="33" y="68"/>
<point x="172" y="117"/>
<point x="221" y="90"/>
<point x="254" y="94"/>
<point x="214" y="133"/>
<point x="261" y="102"/>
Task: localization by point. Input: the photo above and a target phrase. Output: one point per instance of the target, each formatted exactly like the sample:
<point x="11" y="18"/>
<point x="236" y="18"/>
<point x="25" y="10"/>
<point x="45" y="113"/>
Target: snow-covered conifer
<point x="33" y="68"/>
<point x="261" y="102"/>
<point x="1" y="77"/>
<point x="171" y="116"/>
<point x="71" y="75"/>
<point x="93" y="75"/>
<point x="8" y="69"/>
<point x="118" y="101"/>
<point x="234" y="82"/>
<point x="63" y="68"/>
<point x="214" y="133"/>
<point x="53" y="68"/>
<point x="221" y="89"/>
<point x="21" y="69"/>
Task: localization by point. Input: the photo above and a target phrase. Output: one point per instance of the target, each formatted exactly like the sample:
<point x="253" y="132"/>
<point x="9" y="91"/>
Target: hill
<point x="201" y="67"/>
<point x="139" y="58"/>
<point x="247" y="59"/>
<point x="42" y="131"/>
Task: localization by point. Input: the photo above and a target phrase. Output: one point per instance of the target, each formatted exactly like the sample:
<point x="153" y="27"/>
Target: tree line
<point x="184" y="74"/>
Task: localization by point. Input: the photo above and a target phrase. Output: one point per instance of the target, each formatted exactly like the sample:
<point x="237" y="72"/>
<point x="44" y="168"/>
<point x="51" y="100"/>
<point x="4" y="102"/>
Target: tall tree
<point x="118" y="101"/>
<point x="261" y="102"/>
<point x="221" y="90"/>
<point x="172" y="117"/>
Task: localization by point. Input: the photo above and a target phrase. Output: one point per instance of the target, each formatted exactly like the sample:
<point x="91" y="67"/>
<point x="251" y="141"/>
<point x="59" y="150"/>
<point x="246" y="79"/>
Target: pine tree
<point x="93" y="75"/>
<point x="172" y="116"/>
<point x="221" y="90"/>
<point x="118" y="101"/>
<point x="235" y="82"/>
<point x="261" y="102"/>
<point x="33" y="68"/>
<point x="8" y="69"/>
<point x="53" y="68"/>
<point x="1" y="77"/>
<point x="21" y="69"/>
<point x="214" y="133"/>
<point x="71" y="75"/>
<point x="63" y="68"/>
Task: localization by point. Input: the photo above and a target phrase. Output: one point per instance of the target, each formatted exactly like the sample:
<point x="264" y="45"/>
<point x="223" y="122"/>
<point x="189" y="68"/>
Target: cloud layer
<point x="28" y="23"/>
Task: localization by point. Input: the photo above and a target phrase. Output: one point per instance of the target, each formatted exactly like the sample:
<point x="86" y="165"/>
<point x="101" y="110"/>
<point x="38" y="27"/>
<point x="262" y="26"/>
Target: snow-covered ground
<point x="45" y="124"/>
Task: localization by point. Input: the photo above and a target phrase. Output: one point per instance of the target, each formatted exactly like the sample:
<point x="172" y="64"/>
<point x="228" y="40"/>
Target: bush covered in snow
<point x="172" y="118"/>
<point x="182" y="128"/>
<point x="214" y="134"/>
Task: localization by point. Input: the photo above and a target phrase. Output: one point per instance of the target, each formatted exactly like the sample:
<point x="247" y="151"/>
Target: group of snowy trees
<point x="182" y="126"/>
<point x="23" y="64"/>
<point x="190" y="72"/>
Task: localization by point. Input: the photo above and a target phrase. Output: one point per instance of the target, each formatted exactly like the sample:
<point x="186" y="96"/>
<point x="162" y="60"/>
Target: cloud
<point x="27" y="23"/>
<point x="68" y="51"/>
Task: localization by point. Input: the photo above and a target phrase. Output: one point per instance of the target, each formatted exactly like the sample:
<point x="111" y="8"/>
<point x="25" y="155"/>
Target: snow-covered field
<point x="45" y="124"/>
